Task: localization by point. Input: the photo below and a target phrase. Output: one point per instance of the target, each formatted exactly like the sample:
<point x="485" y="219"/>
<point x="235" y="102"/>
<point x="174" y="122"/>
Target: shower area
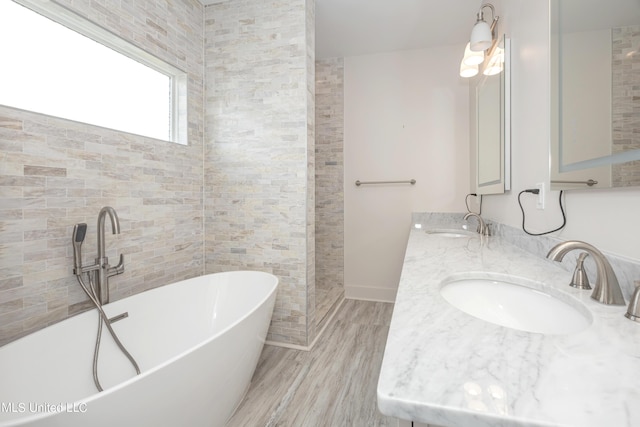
<point x="329" y="186"/>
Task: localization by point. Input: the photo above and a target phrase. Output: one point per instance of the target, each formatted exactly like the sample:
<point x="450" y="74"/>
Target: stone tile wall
<point x="256" y="178"/>
<point x="310" y="37"/>
<point x="259" y="151"/>
<point x="626" y="102"/>
<point x="55" y="173"/>
<point x="329" y="172"/>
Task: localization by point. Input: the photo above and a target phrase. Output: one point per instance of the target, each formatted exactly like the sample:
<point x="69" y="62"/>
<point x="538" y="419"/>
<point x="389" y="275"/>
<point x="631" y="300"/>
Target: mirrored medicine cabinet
<point x="491" y="127"/>
<point x="595" y="94"/>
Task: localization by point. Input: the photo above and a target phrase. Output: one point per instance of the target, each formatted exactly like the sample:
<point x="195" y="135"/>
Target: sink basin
<point x="452" y="232"/>
<point x="517" y="304"/>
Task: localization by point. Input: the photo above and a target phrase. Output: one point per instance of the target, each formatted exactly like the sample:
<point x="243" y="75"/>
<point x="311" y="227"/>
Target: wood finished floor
<point x="332" y="385"/>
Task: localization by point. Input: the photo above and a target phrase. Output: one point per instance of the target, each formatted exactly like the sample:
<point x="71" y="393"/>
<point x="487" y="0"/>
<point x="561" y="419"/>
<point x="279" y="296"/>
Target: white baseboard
<point x="370" y="294"/>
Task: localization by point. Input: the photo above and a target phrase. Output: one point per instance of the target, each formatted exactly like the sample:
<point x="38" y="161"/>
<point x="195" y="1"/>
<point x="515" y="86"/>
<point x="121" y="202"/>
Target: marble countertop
<point x="445" y="367"/>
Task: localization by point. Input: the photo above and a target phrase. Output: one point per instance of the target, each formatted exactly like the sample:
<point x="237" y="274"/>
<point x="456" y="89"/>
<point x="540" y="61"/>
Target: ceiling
<point x="358" y="27"/>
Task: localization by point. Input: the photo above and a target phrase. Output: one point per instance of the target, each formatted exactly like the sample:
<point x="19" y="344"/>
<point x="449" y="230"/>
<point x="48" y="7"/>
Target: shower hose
<point x="89" y="290"/>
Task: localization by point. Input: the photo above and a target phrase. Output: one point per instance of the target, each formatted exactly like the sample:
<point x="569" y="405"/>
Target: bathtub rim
<point x="273" y="282"/>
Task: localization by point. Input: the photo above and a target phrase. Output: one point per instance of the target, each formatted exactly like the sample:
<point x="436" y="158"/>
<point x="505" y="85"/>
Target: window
<point x="69" y="67"/>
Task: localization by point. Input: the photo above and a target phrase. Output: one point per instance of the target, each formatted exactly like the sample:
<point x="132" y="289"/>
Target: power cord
<point x="466" y="202"/>
<point x="537" y="191"/>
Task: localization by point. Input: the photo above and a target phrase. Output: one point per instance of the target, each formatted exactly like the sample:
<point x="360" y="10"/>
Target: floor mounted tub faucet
<point x="104" y="269"/>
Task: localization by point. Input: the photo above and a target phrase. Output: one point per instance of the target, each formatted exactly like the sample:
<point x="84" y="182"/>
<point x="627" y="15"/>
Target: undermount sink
<point x="452" y="232"/>
<point x="517" y="304"/>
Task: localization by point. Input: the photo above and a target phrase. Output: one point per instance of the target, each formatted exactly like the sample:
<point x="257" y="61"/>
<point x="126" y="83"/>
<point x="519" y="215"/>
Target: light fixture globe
<point x="472" y="58"/>
<point x="468" y="71"/>
<point x="480" y="37"/>
<point x="495" y="64"/>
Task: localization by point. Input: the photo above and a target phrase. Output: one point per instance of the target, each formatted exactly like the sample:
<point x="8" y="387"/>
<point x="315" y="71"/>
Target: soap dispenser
<point x="633" y="312"/>
<point x="580" y="279"/>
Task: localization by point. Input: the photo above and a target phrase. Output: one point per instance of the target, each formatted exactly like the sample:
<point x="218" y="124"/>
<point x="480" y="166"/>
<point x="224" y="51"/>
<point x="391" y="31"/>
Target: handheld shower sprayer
<point x="79" y="233"/>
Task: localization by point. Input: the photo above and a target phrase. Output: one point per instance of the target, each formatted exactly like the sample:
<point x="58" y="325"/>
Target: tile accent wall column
<point x="626" y="103"/>
<point x="259" y="151"/>
<point x="55" y="173"/>
<point x="310" y="32"/>
<point x="329" y="172"/>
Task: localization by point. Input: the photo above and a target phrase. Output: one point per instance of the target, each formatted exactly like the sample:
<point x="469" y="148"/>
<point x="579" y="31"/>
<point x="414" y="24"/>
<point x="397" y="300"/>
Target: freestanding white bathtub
<point x="197" y="343"/>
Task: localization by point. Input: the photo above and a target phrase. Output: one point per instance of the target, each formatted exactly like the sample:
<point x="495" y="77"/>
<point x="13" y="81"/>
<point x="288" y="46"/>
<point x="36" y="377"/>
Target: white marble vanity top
<point x="444" y="367"/>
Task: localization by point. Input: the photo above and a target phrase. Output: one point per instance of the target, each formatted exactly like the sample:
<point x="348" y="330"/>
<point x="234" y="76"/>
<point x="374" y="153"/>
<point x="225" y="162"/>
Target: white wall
<point x="604" y="218"/>
<point x="406" y="116"/>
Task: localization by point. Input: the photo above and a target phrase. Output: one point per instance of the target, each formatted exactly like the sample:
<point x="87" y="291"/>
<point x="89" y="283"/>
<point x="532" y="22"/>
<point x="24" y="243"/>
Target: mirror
<point x="595" y="94"/>
<point x="492" y="126"/>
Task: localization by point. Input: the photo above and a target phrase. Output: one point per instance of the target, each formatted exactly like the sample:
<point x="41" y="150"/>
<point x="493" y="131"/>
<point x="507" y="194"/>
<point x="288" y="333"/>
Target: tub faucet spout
<point x="607" y="289"/>
<point x="104" y="269"/>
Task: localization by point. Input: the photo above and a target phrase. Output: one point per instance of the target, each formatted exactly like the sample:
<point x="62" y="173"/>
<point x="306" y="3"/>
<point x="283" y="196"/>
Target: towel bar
<point x="359" y="183"/>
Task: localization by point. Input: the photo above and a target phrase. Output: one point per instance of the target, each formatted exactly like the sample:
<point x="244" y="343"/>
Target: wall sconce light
<point x="483" y="39"/>
<point x="482" y="34"/>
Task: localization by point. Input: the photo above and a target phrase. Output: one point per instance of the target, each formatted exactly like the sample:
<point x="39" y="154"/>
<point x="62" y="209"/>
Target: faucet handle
<point x="633" y="311"/>
<point x="580" y="279"/>
<point x="118" y="269"/>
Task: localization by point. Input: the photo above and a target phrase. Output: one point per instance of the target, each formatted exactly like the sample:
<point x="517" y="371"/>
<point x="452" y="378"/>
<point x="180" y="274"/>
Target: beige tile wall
<point x="329" y="172"/>
<point x="626" y="107"/>
<point x="259" y="160"/>
<point x="255" y="179"/>
<point x="310" y="33"/>
<point x="55" y="173"/>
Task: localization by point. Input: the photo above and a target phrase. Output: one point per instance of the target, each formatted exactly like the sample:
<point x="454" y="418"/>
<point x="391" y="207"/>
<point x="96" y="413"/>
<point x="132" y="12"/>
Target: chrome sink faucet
<point x="633" y="311"/>
<point x="104" y="269"/>
<point x="606" y="289"/>
<point x="482" y="227"/>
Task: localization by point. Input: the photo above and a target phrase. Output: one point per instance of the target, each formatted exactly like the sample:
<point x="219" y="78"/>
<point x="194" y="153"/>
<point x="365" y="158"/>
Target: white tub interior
<point x="164" y="324"/>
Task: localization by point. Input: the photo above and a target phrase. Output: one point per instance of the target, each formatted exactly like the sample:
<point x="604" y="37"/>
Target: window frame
<point x="178" y="92"/>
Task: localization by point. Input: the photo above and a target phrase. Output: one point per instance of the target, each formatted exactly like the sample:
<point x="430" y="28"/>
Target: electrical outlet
<point x="540" y="201"/>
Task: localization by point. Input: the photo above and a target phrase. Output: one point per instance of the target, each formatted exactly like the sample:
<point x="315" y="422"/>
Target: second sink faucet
<point x="606" y="289"/>
<point x="482" y="227"/>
